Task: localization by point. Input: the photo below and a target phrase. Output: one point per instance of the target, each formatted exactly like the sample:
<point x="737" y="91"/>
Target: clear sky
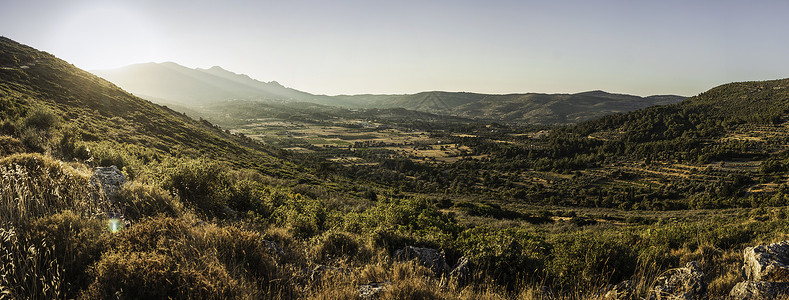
<point x="404" y="46"/>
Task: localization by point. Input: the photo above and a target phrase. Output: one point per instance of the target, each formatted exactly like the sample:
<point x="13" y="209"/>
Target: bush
<point x="138" y="201"/>
<point x="240" y="249"/>
<point x="35" y="128"/>
<point x="334" y="245"/>
<point x="10" y="145"/>
<point x="583" y="260"/>
<point x="302" y="216"/>
<point x="395" y="223"/>
<point x="152" y="275"/>
<point x="202" y="184"/>
<point x="505" y="255"/>
<point x="39" y="117"/>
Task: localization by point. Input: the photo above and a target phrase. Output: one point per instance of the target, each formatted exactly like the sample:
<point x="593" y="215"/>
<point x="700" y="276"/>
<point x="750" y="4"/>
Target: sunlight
<point x="107" y="36"/>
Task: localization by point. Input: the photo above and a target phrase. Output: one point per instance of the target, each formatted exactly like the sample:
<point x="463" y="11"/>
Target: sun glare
<point x="107" y="36"/>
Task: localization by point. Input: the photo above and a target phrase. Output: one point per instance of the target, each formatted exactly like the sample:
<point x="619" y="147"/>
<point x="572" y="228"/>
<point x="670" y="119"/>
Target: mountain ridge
<point x="201" y="86"/>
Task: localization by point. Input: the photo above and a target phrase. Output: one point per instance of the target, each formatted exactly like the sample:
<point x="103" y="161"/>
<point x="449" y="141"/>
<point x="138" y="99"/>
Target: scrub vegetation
<point x="222" y="212"/>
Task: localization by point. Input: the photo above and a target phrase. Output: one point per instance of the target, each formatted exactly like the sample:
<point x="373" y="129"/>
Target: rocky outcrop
<point x="427" y="257"/>
<point x="685" y="283"/>
<point x="372" y="290"/>
<point x="748" y="290"/>
<point x="767" y="262"/>
<point x="765" y="269"/>
<point x="107" y="181"/>
<point x="275" y="250"/>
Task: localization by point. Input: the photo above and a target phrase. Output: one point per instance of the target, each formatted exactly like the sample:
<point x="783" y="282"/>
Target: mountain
<point x="723" y="110"/>
<point x="100" y="113"/>
<point x="531" y="108"/>
<point x="173" y="83"/>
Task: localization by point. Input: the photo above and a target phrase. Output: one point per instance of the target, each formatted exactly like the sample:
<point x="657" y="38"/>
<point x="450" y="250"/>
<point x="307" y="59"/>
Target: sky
<point x="397" y="47"/>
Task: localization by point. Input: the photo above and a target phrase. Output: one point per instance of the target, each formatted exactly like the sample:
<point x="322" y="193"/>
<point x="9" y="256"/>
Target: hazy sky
<point x="368" y="46"/>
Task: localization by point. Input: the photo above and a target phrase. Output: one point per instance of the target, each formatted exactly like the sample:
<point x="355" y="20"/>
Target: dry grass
<point x="28" y="269"/>
<point x="33" y="185"/>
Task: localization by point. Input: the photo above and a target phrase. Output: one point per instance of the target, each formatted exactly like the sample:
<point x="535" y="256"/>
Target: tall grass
<point x="28" y="270"/>
<point x="33" y="185"/>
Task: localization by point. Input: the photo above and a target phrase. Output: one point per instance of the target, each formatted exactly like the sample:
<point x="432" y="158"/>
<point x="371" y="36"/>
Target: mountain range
<point x="170" y="83"/>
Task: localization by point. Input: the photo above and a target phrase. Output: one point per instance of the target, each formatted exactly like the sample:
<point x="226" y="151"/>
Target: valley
<point x="285" y="198"/>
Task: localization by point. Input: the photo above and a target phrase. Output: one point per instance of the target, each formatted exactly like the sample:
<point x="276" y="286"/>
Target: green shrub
<point x="40" y="117"/>
<point x="505" y="255"/>
<point x="10" y="145"/>
<point x="36" y="128"/>
<point x="202" y="184"/>
<point x="240" y="249"/>
<point x="587" y="259"/>
<point x="334" y="245"/>
<point x="395" y="223"/>
<point x="158" y="233"/>
<point x="304" y="217"/>
<point x="138" y="201"/>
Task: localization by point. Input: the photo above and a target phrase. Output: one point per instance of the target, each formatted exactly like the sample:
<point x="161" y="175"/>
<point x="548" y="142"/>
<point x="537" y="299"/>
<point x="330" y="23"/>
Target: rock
<point x="371" y="290"/>
<point x="622" y="290"/>
<point x="107" y="181"/>
<point x="427" y="257"/>
<point x="319" y="271"/>
<point x="681" y="283"/>
<point x="274" y="249"/>
<point x="229" y="212"/>
<point x="461" y="270"/>
<point x="767" y="262"/>
<point x="748" y="290"/>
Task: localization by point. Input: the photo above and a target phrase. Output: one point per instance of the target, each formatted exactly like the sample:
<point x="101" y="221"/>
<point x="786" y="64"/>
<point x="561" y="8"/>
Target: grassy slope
<point x="104" y="112"/>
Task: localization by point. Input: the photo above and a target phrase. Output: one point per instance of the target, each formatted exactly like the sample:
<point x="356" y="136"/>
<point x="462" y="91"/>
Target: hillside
<point x="170" y="82"/>
<point x="98" y="112"/>
<point x="173" y="83"/>
<point x="543" y="109"/>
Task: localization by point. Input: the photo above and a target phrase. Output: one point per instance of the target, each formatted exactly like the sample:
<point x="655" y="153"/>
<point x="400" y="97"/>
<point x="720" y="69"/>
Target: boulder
<point x="749" y="290"/>
<point x="372" y="290"/>
<point x="681" y="283"/>
<point x="274" y="249"/>
<point x="427" y="257"/>
<point x="107" y="181"/>
<point x="767" y="262"/>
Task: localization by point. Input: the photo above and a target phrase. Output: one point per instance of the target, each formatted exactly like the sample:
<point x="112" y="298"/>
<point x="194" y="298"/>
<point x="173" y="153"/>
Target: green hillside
<point x="94" y="111"/>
